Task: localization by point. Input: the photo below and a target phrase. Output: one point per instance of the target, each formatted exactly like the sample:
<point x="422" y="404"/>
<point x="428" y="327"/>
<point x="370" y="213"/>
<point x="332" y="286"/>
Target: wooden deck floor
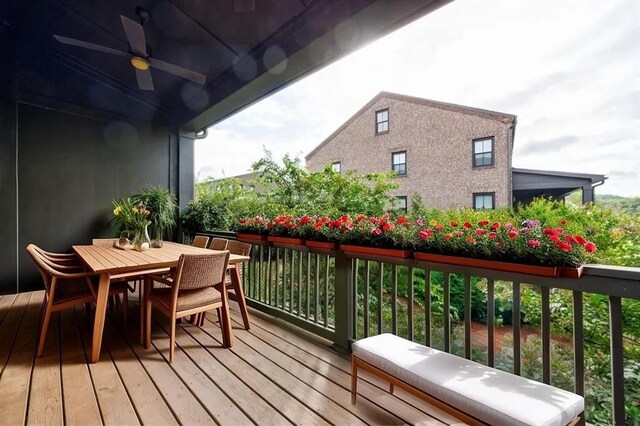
<point x="273" y="375"/>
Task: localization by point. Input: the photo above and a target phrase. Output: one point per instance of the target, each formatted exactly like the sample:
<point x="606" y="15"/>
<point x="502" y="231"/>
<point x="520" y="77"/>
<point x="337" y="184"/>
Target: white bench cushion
<point x="490" y="395"/>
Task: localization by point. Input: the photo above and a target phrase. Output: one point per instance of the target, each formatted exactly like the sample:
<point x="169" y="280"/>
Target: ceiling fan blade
<point x="135" y="35"/>
<point x="87" y="45"/>
<point x="179" y="71"/>
<point x="144" y="79"/>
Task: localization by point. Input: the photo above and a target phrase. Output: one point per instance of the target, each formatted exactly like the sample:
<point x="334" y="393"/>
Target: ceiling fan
<point x="137" y="54"/>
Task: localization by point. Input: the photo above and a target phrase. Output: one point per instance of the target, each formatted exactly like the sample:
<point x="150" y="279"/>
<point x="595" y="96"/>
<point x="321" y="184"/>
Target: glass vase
<point x="157" y="239"/>
<point x="141" y="240"/>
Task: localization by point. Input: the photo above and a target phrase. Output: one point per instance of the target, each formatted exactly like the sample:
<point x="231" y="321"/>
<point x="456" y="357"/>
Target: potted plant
<point x="162" y="207"/>
<point x="252" y="229"/>
<point x="381" y="236"/>
<point x="316" y="233"/>
<point x="526" y="248"/>
<point x="282" y="230"/>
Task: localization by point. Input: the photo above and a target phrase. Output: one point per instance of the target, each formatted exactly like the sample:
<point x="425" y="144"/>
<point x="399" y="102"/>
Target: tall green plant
<point x="162" y="205"/>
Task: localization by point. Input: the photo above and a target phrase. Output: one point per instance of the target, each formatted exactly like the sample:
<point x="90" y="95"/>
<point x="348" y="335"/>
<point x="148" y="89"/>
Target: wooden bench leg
<point x="354" y="380"/>
<point x="391" y="388"/>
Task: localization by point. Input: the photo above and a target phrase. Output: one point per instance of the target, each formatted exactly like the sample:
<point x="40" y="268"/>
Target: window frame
<point x="339" y="164"/>
<point x="375" y="119"/>
<point x="484" y="194"/>
<point x="493" y="152"/>
<point x="406" y="203"/>
<point x="405" y="162"/>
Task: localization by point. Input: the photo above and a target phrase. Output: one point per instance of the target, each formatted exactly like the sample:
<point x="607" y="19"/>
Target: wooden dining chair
<point x="218" y="244"/>
<point x="64" y="289"/>
<point x="192" y="291"/>
<point x="242" y="249"/>
<point x="200" y="241"/>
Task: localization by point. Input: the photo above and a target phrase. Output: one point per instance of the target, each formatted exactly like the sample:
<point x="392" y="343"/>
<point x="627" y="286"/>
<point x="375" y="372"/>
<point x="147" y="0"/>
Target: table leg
<point x="101" y="311"/>
<point x="142" y="294"/>
<point x="225" y="320"/>
<point x="236" y="282"/>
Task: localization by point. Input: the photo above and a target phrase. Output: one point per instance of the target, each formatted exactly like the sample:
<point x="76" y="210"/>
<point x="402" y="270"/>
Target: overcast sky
<point x="569" y="69"/>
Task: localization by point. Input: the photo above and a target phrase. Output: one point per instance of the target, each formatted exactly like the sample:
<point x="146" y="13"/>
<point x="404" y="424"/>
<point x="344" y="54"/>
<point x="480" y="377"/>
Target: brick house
<point x="450" y="155"/>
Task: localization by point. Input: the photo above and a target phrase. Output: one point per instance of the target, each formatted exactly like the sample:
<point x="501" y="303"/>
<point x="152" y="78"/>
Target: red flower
<point x="304" y="220"/>
<point x="467" y="225"/>
<point x="563" y="222"/>
<point x="559" y="231"/>
<point x="495" y="225"/>
<point x="360" y="218"/>
<point x="448" y="236"/>
<point x="500" y="244"/>
<point x="376" y="231"/>
<point x="373" y="220"/>
<point x="471" y="240"/>
<point x="424" y="235"/>
<point x="483" y="223"/>
<point x="439" y="227"/>
<point x="563" y="246"/>
<point x="554" y="238"/>
<point x="534" y="243"/>
<point x="513" y="234"/>
<point x="480" y="231"/>
<point x="243" y="221"/>
<point x="590" y="247"/>
<point x="453" y="224"/>
<point x="549" y="231"/>
<point x="570" y="239"/>
<point x="580" y="240"/>
<point x="388" y="226"/>
<point x="493" y="235"/>
<point x="402" y="221"/>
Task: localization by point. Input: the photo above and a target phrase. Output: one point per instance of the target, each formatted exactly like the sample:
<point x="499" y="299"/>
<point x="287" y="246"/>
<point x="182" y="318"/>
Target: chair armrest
<point x="160" y="279"/>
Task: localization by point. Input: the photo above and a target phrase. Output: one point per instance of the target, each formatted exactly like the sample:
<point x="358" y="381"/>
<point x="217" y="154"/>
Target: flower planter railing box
<point x="286" y="240"/>
<point x="376" y="251"/>
<point x="543" y="271"/>
<point x="250" y="237"/>
<point x="568" y="272"/>
<point x="323" y="245"/>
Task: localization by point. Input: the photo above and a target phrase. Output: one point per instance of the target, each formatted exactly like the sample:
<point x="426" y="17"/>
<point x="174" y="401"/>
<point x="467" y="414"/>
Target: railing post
<point x="343" y="301"/>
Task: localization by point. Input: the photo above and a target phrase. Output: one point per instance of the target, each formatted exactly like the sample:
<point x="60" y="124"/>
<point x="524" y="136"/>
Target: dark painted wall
<point x="70" y="167"/>
<point x="8" y="234"/>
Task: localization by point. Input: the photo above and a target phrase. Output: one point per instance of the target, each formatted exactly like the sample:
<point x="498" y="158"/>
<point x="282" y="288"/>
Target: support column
<point x="343" y="301"/>
<point x="587" y="194"/>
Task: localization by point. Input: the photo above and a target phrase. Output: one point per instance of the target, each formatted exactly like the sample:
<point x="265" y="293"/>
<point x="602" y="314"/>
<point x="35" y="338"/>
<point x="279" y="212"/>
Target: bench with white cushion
<point x="475" y="393"/>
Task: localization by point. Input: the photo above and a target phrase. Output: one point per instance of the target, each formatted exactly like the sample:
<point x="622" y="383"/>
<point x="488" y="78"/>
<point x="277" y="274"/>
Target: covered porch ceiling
<point x="244" y="56"/>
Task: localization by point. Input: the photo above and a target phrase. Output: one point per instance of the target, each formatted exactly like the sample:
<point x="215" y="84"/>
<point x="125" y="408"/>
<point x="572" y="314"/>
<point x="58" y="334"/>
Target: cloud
<point x="549" y="145"/>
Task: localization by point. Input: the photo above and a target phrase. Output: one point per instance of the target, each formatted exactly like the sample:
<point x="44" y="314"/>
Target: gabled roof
<point x="484" y="113"/>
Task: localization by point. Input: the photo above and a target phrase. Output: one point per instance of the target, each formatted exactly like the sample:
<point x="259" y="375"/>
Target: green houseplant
<point x="162" y="207"/>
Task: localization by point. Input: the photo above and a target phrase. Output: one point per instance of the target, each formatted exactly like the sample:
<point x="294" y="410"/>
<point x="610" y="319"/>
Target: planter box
<point x="397" y="253"/>
<point x="543" y="271"/>
<point x="571" y="272"/>
<point x="286" y="240"/>
<point x="250" y="237"/>
<point x="324" y="245"/>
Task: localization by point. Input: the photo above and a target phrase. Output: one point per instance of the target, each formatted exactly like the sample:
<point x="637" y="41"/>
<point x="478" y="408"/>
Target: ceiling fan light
<point x="139" y="63"/>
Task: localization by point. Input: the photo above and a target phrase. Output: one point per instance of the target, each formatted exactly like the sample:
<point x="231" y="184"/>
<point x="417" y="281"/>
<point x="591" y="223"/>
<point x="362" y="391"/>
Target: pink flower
<point x="424" y="235"/>
<point x="420" y="222"/>
<point x="493" y="235"/>
<point x="376" y="231"/>
<point x="439" y="227"/>
<point x="590" y="247"/>
<point x="480" y="231"/>
<point x="508" y="225"/>
<point x="534" y="243"/>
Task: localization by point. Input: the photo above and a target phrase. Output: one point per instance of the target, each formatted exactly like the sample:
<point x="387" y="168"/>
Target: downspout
<point x="593" y="187"/>
<point x="511" y="135"/>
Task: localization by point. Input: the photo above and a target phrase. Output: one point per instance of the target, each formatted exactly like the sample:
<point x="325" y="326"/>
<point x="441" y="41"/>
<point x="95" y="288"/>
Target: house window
<point x="382" y="121"/>
<point x="484" y="200"/>
<point x="401" y="204"/>
<point x="483" y="152"/>
<point x="336" y="167"/>
<point x="399" y="162"/>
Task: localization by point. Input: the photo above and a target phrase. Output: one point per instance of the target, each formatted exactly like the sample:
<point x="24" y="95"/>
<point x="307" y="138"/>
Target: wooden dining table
<point x="113" y="263"/>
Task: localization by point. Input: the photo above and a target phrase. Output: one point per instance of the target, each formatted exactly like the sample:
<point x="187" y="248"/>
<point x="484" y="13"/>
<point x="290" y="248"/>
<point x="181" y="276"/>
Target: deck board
<point x="273" y="375"/>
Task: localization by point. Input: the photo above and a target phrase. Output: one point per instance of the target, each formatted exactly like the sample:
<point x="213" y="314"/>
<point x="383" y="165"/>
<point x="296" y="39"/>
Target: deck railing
<point x="343" y="297"/>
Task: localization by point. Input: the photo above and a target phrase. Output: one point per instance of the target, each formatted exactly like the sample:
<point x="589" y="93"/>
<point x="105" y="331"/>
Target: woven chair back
<point x="218" y="244"/>
<point x="239" y="248"/>
<point x="42" y="267"/>
<point x="201" y="270"/>
<point x="200" y="241"/>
